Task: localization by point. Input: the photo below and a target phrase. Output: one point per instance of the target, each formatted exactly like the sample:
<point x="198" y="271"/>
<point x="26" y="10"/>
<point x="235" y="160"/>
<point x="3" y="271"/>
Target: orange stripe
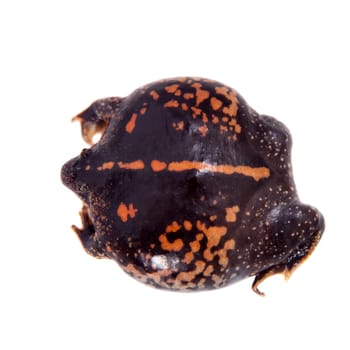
<point x="136" y="165"/>
<point x="256" y="173"/>
<point x="131" y="123"/>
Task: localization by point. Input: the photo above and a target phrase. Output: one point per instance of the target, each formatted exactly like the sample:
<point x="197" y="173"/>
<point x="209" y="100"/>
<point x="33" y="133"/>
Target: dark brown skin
<point x="189" y="188"/>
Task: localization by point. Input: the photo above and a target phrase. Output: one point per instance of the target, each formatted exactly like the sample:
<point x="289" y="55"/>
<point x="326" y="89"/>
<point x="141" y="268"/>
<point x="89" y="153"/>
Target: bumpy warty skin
<point x="189" y="188"/>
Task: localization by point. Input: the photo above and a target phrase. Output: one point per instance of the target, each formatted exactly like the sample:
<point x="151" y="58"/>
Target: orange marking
<point x="208" y="271"/>
<point x="106" y="165"/>
<point x="201" y="95"/>
<point x="184" y="106"/>
<point x="222" y="253"/>
<point x="187" y="225"/>
<point x="188" y="258"/>
<point x="204" y="118"/>
<point x="171" y="88"/>
<point x="212" y="217"/>
<point x="157" y="165"/>
<point x="178" y="93"/>
<point x="213" y="234"/>
<point x="232" y="109"/>
<point x="88" y="167"/>
<point x="179" y="126"/>
<point x="176" y="246"/>
<point x="233" y="122"/>
<point x="203" y="130"/>
<point x="130" y="126"/>
<point x="145" y="276"/>
<point x="173" y="227"/>
<point x="231" y="213"/>
<point x="215" y="119"/>
<point x="238" y="129"/>
<point x="136" y="165"/>
<point x="190" y="275"/>
<point x="215" y="103"/>
<point x="256" y="173"/>
<point x="171" y="104"/>
<point x="123" y="211"/>
<point x="154" y="94"/>
<point x="188" y="96"/>
<point x="195" y="246"/>
<point x="196" y="111"/>
<point x="143" y="110"/>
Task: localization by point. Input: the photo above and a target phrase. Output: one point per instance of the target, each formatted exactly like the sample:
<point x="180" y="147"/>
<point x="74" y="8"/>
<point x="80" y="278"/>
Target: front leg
<point x="87" y="234"/>
<point x="95" y="118"/>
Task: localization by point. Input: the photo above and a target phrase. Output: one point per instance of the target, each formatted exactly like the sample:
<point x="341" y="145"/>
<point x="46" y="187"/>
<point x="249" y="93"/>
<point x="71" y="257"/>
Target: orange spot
<point x="190" y="275"/>
<point x="195" y="246"/>
<point x="188" y="96"/>
<point x="232" y="109"/>
<point x="179" y="126"/>
<point x="123" y="211"/>
<point x="203" y="130"/>
<point x="176" y="246"/>
<point x="205" y="118"/>
<point x="215" y="119"/>
<point x="201" y="95"/>
<point x="171" y="88"/>
<point x="173" y="227"/>
<point x="178" y="93"/>
<point x="215" y="103"/>
<point x="212" y="217"/>
<point x="130" y="126"/>
<point x="145" y="276"/>
<point x="199" y="236"/>
<point x="225" y="119"/>
<point x="154" y="94"/>
<point x="184" y="106"/>
<point x="106" y="165"/>
<point x="213" y="234"/>
<point x="222" y="253"/>
<point x="171" y="104"/>
<point x="231" y="213"/>
<point x="136" y="165"/>
<point x="88" y="167"/>
<point x="256" y="173"/>
<point x="143" y="110"/>
<point x="208" y="271"/>
<point x="188" y="258"/>
<point x="196" y="111"/>
<point x="187" y="225"/>
<point x="157" y="165"/>
<point x="232" y="122"/>
<point x="238" y="129"/>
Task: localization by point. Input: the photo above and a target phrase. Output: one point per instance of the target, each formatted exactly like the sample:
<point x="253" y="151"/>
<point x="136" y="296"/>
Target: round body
<point x="189" y="188"/>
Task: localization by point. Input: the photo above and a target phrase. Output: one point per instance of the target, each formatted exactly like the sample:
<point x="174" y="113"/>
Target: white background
<point x="289" y="59"/>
